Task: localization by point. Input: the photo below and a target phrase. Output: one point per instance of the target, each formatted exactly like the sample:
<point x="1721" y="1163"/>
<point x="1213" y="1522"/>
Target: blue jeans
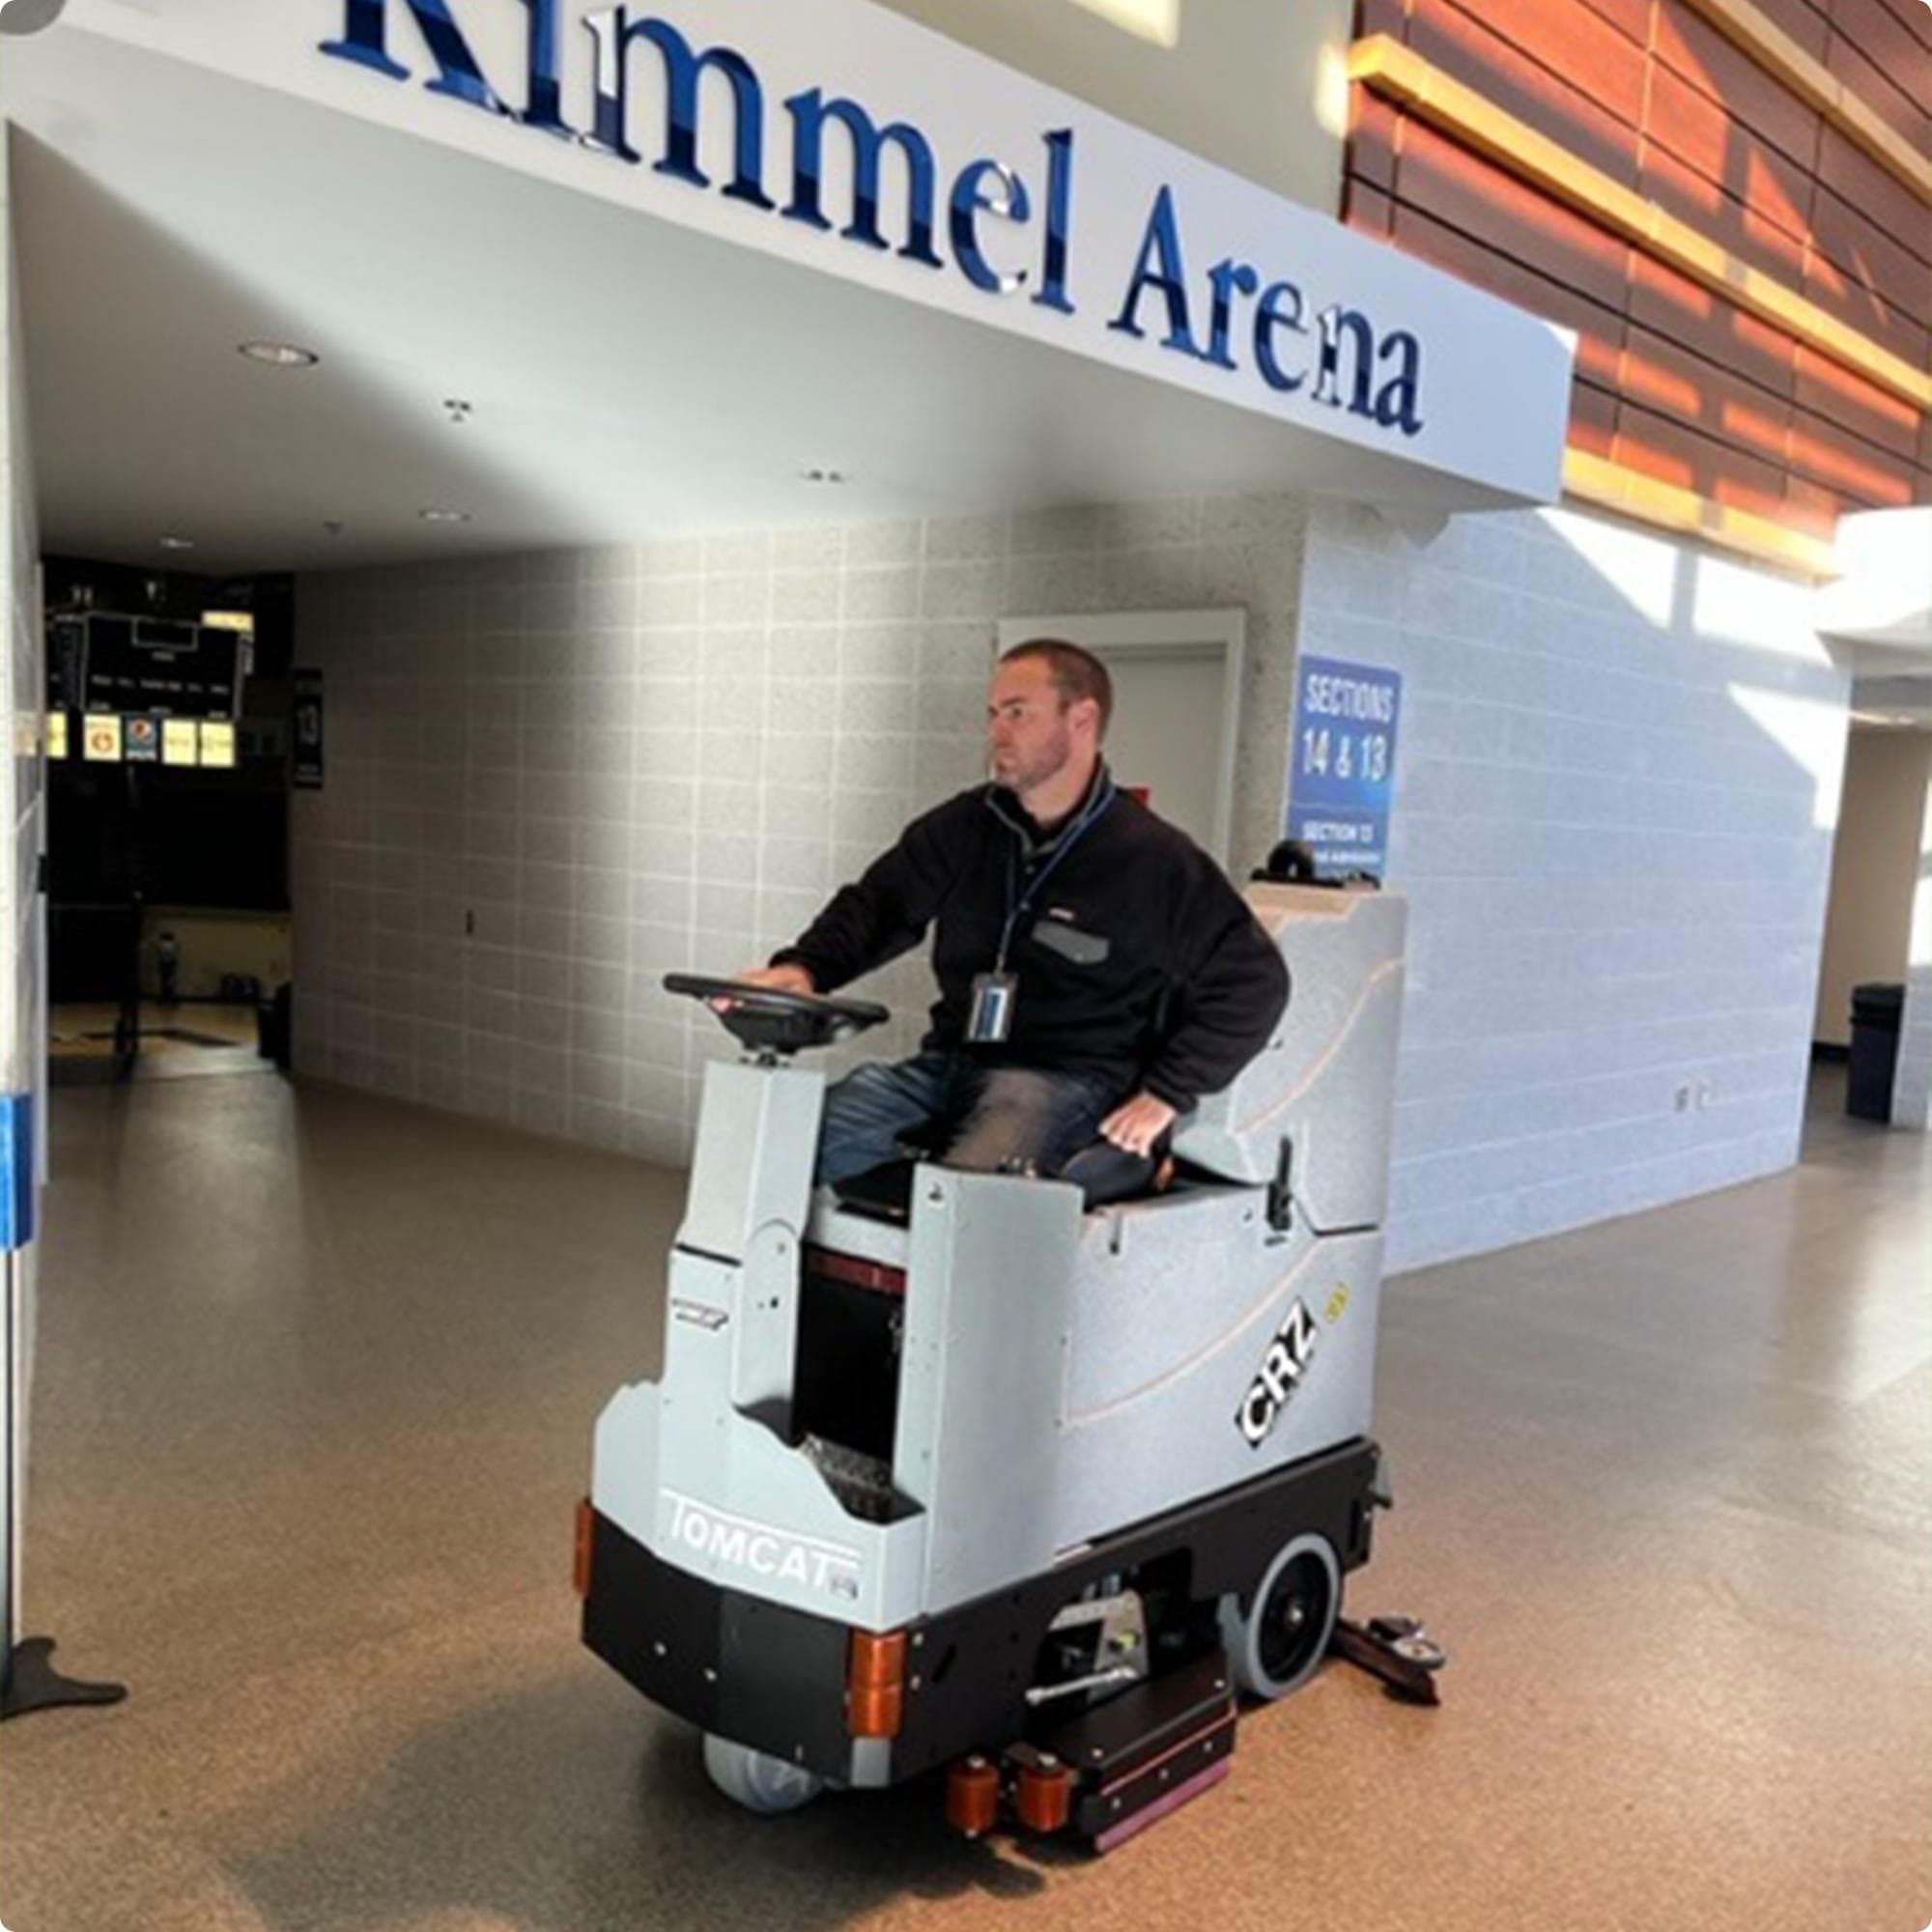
<point x="992" y="1117"/>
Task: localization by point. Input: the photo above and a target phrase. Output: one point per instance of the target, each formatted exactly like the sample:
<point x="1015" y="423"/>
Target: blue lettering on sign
<point x="1342" y="778"/>
<point x="1354" y="366"/>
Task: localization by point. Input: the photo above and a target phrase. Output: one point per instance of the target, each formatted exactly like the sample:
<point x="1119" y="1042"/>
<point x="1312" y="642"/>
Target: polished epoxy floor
<point x="315" y="1384"/>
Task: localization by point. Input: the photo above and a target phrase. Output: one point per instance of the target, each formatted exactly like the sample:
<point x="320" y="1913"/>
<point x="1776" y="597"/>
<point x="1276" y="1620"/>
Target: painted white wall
<point x="625" y="762"/>
<point x="1618" y="765"/>
<point x="1258" y="87"/>
<point x="1874" y="871"/>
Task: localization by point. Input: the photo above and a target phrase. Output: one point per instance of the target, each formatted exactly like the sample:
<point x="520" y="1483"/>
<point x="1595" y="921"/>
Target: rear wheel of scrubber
<point x="1278" y="1644"/>
<point x="757" y="1780"/>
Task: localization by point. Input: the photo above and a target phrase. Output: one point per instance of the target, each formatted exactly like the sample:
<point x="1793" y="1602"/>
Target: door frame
<point x="1217" y="636"/>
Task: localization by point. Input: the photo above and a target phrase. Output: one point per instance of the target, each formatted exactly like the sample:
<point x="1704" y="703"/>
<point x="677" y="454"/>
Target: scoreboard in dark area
<point x="154" y="667"/>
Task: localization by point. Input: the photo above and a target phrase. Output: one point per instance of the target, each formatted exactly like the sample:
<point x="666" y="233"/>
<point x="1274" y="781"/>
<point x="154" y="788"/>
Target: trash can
<point x="1876" y="1009"/>
<point x="274" y="1025"/>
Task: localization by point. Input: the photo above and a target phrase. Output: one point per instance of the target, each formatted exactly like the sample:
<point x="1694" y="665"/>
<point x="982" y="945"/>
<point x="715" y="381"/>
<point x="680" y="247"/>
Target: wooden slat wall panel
<point x="1848" y="173"/>
<point x="1463" y="46"/>
<point x="1673" y="379"/>
<point x="1691" y="48"/>
<point x="1857" y="304"/>
<point x="1702" y="204"/>
<point x="1914" y="16"/>
<point x="1692" y="127"/>
<point x="1665" y="447"/>
<point x="1808" y="25"/>
<point x="1886" y="72"/>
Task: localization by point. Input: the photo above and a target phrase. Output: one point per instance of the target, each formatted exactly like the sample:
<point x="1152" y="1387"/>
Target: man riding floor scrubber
<point x="998" y="1472"/>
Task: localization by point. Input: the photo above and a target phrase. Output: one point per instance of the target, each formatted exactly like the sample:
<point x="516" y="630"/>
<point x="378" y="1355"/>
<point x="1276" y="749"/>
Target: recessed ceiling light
<point x="177" y="543"/>
<point x="823" y="476"/>
<point x="280" y="354"/>
<point x="445" y="516"/>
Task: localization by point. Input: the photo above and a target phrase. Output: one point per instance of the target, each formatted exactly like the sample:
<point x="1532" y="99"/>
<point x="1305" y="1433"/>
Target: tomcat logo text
<point x="746" y="1544"/>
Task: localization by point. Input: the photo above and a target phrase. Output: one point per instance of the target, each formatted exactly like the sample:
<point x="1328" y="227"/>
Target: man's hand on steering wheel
<point x="1139" y="1124"/>
<point x="779" y="978"/>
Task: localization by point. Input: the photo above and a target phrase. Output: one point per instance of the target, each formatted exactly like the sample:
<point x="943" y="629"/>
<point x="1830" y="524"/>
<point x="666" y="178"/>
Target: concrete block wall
<point x="1618" y="767"/>
<point x="553" y="778"/>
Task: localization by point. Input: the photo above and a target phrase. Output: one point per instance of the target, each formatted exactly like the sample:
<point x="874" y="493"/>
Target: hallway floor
<point x="316" y="1382"/>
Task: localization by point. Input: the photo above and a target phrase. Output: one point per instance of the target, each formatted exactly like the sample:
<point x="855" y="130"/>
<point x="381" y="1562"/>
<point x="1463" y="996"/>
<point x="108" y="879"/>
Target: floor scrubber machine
<point x="1027" y="1478"/>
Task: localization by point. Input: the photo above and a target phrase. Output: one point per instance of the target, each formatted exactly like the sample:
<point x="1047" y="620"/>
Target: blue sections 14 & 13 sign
<point x="1342" y="780"/>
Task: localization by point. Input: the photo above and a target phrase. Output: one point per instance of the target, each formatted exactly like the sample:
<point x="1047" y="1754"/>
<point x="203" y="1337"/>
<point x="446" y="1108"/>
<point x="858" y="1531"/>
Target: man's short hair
<point x="1075" y="673"/>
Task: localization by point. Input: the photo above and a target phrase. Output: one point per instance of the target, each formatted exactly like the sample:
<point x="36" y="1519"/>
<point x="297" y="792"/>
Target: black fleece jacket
<point x="1136" y="959"/>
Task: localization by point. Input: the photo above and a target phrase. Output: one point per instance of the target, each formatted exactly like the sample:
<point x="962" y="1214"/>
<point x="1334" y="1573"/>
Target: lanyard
<point x="1018" y="901"/>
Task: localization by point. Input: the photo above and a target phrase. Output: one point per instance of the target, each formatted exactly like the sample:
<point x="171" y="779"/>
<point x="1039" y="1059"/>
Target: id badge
<point x="991" y="1022"/>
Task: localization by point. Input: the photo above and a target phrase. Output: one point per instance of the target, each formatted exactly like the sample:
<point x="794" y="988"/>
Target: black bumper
<point x="774" y="1678"/>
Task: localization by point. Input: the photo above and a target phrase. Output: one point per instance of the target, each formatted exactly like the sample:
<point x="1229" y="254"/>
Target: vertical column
<point x="28" y="1682"/>
<point x="1911" y="1085"/>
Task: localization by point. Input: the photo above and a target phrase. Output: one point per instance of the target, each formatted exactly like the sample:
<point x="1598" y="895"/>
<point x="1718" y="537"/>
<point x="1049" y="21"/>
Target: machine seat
<point x="1104" y="1174"/>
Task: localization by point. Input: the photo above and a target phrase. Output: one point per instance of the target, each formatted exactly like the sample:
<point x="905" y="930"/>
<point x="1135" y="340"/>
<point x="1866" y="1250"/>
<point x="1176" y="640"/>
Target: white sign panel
<point x="841" y="136"/>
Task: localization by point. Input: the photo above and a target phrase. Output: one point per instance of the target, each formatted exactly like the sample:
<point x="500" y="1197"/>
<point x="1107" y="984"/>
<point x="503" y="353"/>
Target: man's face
<point x="1027" y="738"/>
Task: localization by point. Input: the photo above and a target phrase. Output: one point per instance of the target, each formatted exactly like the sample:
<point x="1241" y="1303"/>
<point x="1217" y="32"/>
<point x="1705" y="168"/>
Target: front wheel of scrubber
<point x="757" y="1780"/>
<point x="1277" y="1646"/>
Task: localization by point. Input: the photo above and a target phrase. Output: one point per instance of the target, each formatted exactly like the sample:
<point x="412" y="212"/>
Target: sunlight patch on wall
<point x="1742" y="605"/>
<point x="1156" y="20"/>
<point x="1811" y="732"/>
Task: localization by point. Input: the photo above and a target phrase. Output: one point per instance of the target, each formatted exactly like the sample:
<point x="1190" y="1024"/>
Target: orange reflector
<point x="876" y="1684"/>
<point x="1043" y="1796"/>
<point x="586" y="1534"/>
<point x="973" y="1796"/>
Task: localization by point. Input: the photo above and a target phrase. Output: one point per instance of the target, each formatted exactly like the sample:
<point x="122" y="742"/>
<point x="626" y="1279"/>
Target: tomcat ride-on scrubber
<point x="1000" y="1472"/>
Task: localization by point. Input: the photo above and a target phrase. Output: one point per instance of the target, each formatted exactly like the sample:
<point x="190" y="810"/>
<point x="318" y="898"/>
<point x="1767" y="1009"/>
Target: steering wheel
<point x="769" y="1020"/>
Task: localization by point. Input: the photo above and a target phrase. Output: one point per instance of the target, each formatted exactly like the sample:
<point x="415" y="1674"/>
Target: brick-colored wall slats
<point x="1688" y="124"/>
<point x="1849" y="464"/>
<point x="1696" y="319"/>
<point x="1373" y="124"/>
<point x="1807" y="25"/>
<point x="1577" y="46"/>
<point x="1846" y="170"/>
<point x="1366" y="209"/>
<point x="1380" y="16"/>
<point x="1694" y="50"/>
<point x="1864" y="254"/>
<point x="1629" y="17"/>
<point x="1862" y="408"/>
<point x="1468" y="193"/>
<point x="1890" y="71"/>
<point x="1593" y="420"/>
<point x="1914" y="16"/>
<point x="1702" y="204"/>
<point x="1860" y="307"/>
<point x="1669" y="381"/>
<point x="1812" y="508"/>
<point x="1463" y="48"/>
<point x="1661" y="447"/>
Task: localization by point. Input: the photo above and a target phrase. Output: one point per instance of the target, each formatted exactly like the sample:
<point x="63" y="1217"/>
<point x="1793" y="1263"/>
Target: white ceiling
<point x="627" y="376"/>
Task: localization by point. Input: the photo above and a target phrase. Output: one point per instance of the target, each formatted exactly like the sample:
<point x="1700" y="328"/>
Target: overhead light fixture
<point x="280" y="354"/>
<point x="823" y="477"/>
<point x="445" y="516"/>
<point x="177" y="543"/>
